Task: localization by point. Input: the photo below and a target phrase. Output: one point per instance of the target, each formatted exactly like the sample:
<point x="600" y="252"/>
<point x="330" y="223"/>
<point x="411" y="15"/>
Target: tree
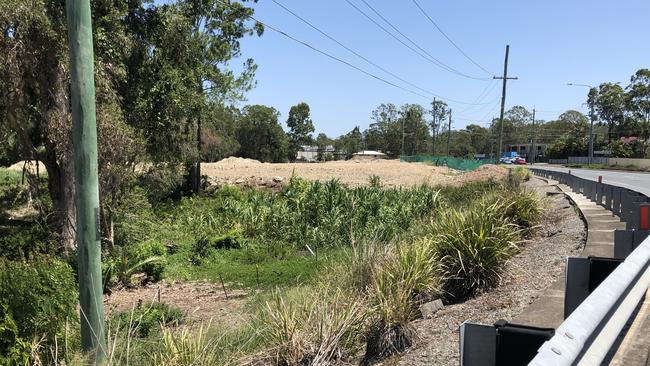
<point x="157" y="67"/>
<point x="322" y="141"/>
<point x="439" y="113"/>
<point x="572" y="143"/>
<point x="414" y="129"/>
<point x="517" y="128"/>
<point x="638" y="99"/>
<point x="300" y="127"/>
<point x="350" y="143"/>
<point x="218" y="132"/>
<point x="260" y="135"/>
<point x="385" y="132"/>
<point x="609" y="103"/>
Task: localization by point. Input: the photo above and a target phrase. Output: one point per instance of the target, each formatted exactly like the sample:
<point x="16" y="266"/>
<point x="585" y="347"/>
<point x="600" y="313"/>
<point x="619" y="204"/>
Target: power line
<point x="362" y="57"/>
<point x="427" y="56"/>
<point x="449" y="39"/>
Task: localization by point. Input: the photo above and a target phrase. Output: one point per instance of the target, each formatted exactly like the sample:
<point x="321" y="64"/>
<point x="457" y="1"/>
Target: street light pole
<point x="592" y="117"/>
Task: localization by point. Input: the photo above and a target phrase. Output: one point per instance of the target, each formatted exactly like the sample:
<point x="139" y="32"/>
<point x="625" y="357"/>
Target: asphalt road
<point x="639" y="182"/>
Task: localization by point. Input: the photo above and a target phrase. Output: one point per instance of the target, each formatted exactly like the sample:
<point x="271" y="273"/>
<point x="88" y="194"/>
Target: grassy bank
<point x="338" y="272"/>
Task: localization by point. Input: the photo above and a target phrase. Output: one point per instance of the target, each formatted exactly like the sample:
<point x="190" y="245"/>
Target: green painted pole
<point x="84" y="136"/>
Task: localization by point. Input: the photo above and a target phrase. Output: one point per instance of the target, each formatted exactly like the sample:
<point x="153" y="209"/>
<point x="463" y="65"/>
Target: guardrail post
<point x="599" y="193"/>
<point x="638" y="216"/>
<point x="616" y="201"/>
<point x="625" y="241"/>
<point x="501" y="344"/>
<point x="583" y="275"/>
<point x="609" y="192"/>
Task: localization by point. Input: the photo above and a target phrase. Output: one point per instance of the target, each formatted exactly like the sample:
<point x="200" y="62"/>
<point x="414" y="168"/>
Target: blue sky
<point x="551" y="43"/>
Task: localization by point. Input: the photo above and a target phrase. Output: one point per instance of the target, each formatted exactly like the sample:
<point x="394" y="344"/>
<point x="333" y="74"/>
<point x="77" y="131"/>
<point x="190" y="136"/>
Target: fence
<point x="641" y="163"/>
<point x="448" y="161"/>
<point x="558" y="161"/>
<point x="585" y="160"/>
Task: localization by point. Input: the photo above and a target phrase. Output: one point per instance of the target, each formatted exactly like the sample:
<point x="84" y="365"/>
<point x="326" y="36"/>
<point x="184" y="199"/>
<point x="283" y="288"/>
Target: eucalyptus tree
<point x="158" y="68"/>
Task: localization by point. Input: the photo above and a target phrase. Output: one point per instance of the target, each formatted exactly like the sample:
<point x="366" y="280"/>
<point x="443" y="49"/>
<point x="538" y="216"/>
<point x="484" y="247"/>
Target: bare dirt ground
<point x="200" y="302"/>
<point x="392" y="173"/>
<point x="524" y="278"/>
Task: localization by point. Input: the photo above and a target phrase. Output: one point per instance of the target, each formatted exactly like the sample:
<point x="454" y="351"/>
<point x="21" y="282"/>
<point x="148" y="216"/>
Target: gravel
<point x="525" y="277"/>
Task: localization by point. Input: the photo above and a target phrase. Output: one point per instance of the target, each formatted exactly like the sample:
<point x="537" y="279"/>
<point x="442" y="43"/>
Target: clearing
<point x="392" y="173"/>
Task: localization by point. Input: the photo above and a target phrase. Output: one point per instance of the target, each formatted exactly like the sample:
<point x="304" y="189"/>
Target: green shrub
<point x="472" y="245"/>
<point x="522" y="173"/>
<point x="40" y="295"/>
<point x="143" y="252"/>
<point x="19" y="242"/>
<point x="524" y="208"/>
<point x="14" y="350"/>
<point x="143" y="319"/>
<point x="120" y="266"/>
<point x="134" y="218"/>
<point x="204" y="247"/>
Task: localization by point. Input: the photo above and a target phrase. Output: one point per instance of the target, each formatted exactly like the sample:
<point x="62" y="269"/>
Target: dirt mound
<point x="29" y="165"/>
<point x="236" y="163"/>
<point x="392" y="173"/>
<point x="484" y="172"/>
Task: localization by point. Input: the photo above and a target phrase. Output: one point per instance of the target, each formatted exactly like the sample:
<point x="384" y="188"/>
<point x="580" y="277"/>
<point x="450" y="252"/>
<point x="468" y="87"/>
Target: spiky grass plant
<point x="314" y="327"/>
<point x="472" y="245"/>
<point x="404" y="281"/>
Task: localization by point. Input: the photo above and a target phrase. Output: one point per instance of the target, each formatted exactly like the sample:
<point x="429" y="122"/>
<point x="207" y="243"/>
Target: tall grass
<point x="472" y="245"/>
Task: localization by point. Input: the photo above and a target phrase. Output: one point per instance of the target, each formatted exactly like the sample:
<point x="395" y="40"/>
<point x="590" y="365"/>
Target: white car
<point x="507" y="160"/>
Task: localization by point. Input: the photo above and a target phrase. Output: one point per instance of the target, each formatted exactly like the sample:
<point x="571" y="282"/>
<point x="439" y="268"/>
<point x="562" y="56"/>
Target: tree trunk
<point x="57" y="156"/>
<point x="61" y="190"/>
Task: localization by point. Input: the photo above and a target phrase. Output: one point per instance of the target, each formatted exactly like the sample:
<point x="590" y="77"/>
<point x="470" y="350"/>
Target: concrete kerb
<point x="548" y="309"/>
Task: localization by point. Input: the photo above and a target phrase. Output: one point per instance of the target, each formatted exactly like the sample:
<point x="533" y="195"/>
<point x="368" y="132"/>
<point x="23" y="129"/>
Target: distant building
<point x="369" y="155"/>
<point x="523" y="150"/>
<point x="310" y="153"/>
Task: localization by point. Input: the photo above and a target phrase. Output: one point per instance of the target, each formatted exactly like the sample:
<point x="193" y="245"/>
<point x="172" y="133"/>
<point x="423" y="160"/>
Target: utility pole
<point x="433" y="134"/>
<point x="505" y="79"/>
<point x="449" y="133"/>
<point x="591" y="132"/>
<point x="84" y="137"/>
<point x="532" y="148"/>
<point x="402" y="153"/>
<point x="197" y="170"/>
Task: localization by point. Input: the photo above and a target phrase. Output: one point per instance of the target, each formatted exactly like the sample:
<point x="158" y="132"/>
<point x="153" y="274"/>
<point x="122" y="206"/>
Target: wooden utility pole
<point x="84" y="137"/>
<point x="505" y="79"/>
<point x="532" y="148"/>
<point x="449" y="133"/>
<point x="433" y="127"/>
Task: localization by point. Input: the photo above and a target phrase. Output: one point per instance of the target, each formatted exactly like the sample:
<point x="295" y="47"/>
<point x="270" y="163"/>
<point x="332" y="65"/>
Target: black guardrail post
<point x="625" y="241"/>
<point x="609" y="192"/>
<point x="616" y="201"/>
<point x="583" y="275"/>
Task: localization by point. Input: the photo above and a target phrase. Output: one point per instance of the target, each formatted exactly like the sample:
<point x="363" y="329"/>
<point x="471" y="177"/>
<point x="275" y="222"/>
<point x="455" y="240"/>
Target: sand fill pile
<point x="236" y="163"/>
<point x="484" y="172"/>
<point x="31" y="167"/>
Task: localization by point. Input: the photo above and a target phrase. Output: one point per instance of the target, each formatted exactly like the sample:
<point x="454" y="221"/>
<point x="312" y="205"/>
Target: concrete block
<point x="430" y="308"/>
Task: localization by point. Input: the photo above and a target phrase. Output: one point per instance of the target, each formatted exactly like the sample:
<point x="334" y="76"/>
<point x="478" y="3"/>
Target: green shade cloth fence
<point x="448" y="161"/>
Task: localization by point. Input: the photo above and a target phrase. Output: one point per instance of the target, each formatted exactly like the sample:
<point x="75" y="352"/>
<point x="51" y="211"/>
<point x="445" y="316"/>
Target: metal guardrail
<point x="601" y="293"/>
<point x="590" y="331"/>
